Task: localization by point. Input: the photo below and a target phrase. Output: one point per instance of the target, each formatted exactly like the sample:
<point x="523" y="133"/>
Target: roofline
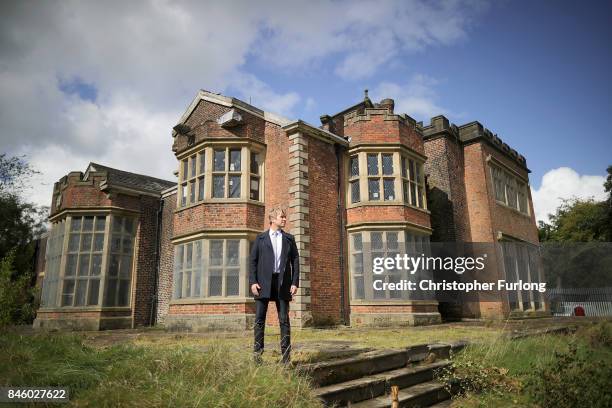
<point x="231" y="102"/>
<point x="124" y="171"/>
<point x="325" y="135"/>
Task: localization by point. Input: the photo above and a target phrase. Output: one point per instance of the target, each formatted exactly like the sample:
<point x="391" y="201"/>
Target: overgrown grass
<point x="132" y="375"/>
<point x="537" y="371"/>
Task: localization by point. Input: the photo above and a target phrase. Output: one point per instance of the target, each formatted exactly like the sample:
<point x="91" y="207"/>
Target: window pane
<point x="234" y="186"/>
<point x="232" y="282"/>
<point x="115" y="243"/>
<point x="200" y="188"/>
<point x="355" y="191"/>
<point x="420" y="196"/>
<point x="202" y="158"/>
<point x="254" y="188"/>
<point x="358" y="263"/>
<point x="354" y="166"/>
<point x="94" y="289"/>
<point x="73" y="243"/>
<point x="411" y="170"/>
<point x="387" y="164"/>
<point x="75" y="224"/>
<point x="219" y="160"/>
<point x="184" y="194"/>
<point x="85" y="242"/>
<point x="129" y="225"/>
<point x="392" y="243"/>
<point x="389" y="189"/>
<point x="189" y="256"/>
<point x="218" y="186"/>
<point x="234" y="160"/>
<point x="88" y="223"/>
<point x="413" y="194"/>
<point x="377" y="241"/>
<point x="98" y="242"/>
<point x="215" y="282"/>
<point x="357" y="242"/>
<point x="373" y="189"/>
<point x="113" y="267"/>
<point x="254" y="163"/>
<point x="126" y="266"/>
<point x="404" y="169"/>
<point x="406" y="187"/>
<point x="233" y="253"/>
<point x="192" y="167"/>
<point x="96" y="265"/>
<point x="68" y="292"/>
<point x="71" y="265"/>
<point x="359" y="289"/>
<point x="216" y="252"/>
<point x="372" y="164"/>
<point x="81" y="292"/>
<point x="84" y="265"/>
<point x="124" y="293"/>
<point x="419" y="174"/>
<point x="192" y="192"/>
<point x="110" y="297"/>
<point x="100" y="223"/>
<point x="187" y="283"/>
<point x="185" y="167"/>
<point x="117" y="224"/>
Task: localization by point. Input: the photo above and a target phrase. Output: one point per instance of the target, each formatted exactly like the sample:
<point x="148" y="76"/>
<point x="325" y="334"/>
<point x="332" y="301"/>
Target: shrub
<point x="572" y="379"/>
<point x="17" y="298"/>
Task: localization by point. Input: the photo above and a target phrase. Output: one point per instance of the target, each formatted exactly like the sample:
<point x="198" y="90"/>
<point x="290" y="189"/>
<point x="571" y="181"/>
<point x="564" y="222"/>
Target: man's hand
<point x="293" y="290"/>
<point x="255" y="289"/>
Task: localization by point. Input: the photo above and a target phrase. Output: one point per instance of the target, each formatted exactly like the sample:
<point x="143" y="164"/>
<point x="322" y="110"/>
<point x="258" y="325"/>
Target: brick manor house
<point x="127" y="250"/>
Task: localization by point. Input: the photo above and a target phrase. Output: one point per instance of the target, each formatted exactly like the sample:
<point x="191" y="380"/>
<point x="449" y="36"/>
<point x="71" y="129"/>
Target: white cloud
<point x="564" y="183"/>
<point x="146" y="59"/>
<point x="416" y="98"/>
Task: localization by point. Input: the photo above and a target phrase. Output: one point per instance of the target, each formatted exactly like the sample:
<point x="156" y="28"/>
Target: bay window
<point x="221" y="172"/>
<point x="387" y="177"/>
<point x="85" y="254"/>
<point x="211" y="268"/>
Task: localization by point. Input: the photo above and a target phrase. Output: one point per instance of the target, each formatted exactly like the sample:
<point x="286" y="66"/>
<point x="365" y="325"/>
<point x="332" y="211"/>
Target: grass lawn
<point x="506" y="368"/>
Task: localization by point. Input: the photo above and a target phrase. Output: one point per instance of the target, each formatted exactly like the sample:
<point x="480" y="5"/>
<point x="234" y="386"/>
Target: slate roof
<point x="131" y="180"/>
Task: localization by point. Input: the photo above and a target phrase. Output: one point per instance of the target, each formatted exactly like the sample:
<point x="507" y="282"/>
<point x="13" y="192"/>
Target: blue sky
<point x="75" y="87"/>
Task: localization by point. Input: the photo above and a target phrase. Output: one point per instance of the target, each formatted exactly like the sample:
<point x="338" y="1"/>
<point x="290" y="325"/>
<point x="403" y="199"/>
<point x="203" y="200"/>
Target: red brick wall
<point x="166" y="260"/>
<point x="146" y="261"/>
<point x="203" y="122"/>
<point x="326" y="275"/>
<point x="219" y="216"/>
<point x="275" y="173"/>
<point x="387" y="213"/>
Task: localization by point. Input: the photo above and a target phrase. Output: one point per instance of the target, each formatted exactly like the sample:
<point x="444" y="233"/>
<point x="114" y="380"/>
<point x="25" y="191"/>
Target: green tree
<point x="21" y="223"/>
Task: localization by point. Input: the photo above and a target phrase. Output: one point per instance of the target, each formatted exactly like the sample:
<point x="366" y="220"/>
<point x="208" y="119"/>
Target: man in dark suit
<point x="274" y="273"/>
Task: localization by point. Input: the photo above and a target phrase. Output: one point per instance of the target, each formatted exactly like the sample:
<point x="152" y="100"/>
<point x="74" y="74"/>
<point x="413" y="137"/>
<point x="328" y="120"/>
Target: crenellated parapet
<point x="469" y="133"/>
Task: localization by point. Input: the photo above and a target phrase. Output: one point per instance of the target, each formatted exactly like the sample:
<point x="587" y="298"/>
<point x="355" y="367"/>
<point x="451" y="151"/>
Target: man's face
<point x="280" y="220"/>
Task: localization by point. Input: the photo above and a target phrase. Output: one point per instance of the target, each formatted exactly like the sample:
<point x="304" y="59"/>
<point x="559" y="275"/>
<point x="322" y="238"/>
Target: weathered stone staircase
<point x="365" y="380"/>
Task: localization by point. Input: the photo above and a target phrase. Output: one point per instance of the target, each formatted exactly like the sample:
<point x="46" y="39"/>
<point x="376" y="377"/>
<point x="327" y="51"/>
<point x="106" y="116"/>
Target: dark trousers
<point x="282" y="308"/>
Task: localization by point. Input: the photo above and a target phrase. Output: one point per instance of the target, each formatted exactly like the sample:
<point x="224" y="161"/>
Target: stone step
<point x="419" y="395"/>
<point x="337" y="371"/>
<point x="378" y="384"/>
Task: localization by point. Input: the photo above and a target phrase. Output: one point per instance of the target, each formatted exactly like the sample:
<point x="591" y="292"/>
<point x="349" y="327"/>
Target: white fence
<point x="594" y="301"/>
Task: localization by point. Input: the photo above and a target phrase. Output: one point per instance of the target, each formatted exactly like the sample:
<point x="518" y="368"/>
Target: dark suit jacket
<point x="261" y="265"/>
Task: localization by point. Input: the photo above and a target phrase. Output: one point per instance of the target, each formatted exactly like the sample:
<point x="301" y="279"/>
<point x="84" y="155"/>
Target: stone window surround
<point x="247" y="146"/>
<point x="520" y="183"/>
<point x="398" y="152"/>
<point x="66" y="218"/>
<point x="246" y="237"/>
<point x="380" y="227"/>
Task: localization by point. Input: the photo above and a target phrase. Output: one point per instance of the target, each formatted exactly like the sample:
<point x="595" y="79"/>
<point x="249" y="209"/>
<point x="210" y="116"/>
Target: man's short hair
<point x="275" y="212"/>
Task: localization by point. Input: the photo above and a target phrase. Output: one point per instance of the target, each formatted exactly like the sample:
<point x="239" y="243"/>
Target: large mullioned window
<point x="87" y="256"/>
<point x="365" y="246"/>
<point x="521" y="263"/>
<point x="386" y="177"/>
<point x="210" y="268"/>
<point x="220" y="172"/>
<point x="509" y="189"/>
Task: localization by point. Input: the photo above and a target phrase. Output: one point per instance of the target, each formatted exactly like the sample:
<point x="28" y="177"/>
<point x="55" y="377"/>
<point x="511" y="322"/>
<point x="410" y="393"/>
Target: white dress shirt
<point x="277" y="245"/>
